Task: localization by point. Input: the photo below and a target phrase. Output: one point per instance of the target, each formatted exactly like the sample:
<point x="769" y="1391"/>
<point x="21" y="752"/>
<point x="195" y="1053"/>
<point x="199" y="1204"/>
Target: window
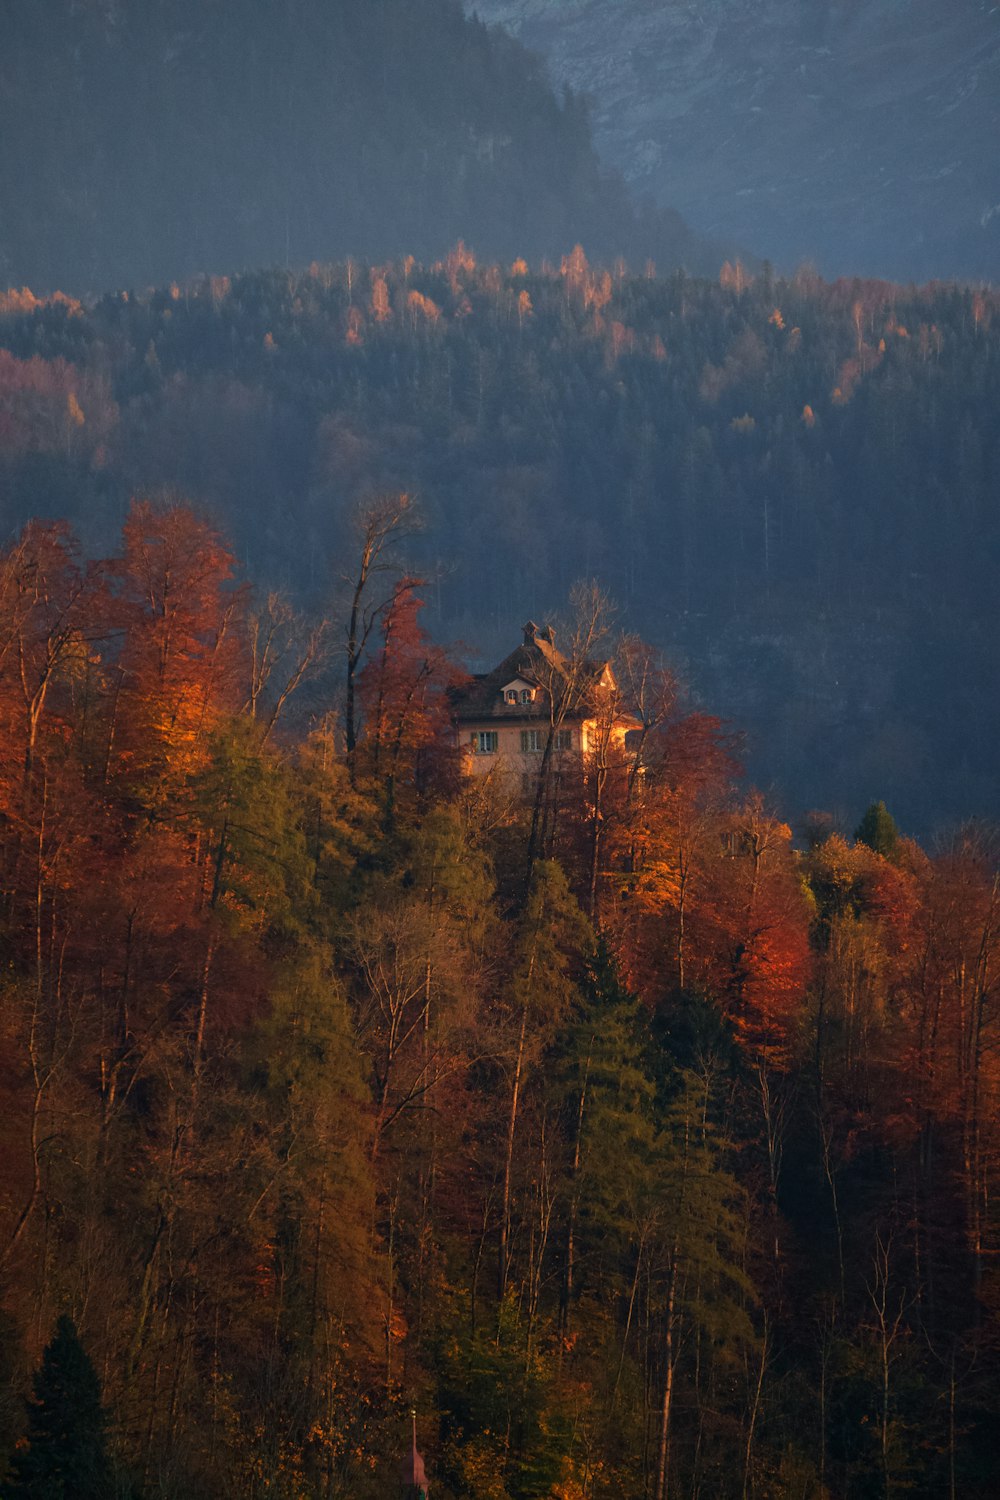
<point x="511" y="695"/>
<point x="531" y="741"/>
<point x="526" y="695"/>
<point x="485" y="742"/>
<point x="564" y="739"/>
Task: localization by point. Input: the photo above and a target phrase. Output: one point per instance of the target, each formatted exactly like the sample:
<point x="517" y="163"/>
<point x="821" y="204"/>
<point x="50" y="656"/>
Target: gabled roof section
<point x="536" y="661"/>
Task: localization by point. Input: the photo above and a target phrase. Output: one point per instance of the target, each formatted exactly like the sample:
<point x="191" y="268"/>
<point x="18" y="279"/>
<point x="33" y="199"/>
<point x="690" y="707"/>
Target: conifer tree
<point x="64" y="1454"/>
<point x="878" y="830"/>
<point x="599" y="1069"/>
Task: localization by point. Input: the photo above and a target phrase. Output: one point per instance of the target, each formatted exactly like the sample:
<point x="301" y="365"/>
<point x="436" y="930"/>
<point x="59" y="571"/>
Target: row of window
<point x="487" y="741"/>
<point x="511" y="695"/>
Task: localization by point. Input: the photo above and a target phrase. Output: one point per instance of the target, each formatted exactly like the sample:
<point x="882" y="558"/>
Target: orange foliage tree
<point x="404" y="692"/>
<point x="180" y="659"/>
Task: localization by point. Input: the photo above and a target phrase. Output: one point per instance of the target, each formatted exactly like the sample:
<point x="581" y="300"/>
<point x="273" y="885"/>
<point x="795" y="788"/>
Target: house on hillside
<point x="505" y="718"/>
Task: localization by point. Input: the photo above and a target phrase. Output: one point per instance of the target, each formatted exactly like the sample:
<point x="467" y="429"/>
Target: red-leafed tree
<point x="178" y="668"/>
<point x="664" y="845"/>
<point x="755" y="928"/>
<point x="404" y="693"/>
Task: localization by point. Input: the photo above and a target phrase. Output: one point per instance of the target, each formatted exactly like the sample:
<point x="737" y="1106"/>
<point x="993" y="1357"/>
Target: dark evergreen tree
<point x="878" y="830"/>
<point x="10" y="1405"/>
<point x="64" y="1457"/>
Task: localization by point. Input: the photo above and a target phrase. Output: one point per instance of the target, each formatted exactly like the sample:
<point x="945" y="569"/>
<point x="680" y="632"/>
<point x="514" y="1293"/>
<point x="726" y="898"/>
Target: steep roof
<point x="538" y="661"/>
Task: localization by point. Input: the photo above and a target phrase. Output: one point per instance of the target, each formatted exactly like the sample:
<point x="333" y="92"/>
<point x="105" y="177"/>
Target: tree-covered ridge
<point x="792" y="484"/>
<point x="157" y="140"/>
<point x="641" y="1152"/>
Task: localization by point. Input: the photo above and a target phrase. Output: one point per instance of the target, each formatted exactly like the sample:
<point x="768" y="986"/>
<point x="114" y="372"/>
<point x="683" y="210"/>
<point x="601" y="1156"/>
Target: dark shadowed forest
<point x="146" y="141"/>
<point x="642" y="1152"/>
<point x="790" y="485"/>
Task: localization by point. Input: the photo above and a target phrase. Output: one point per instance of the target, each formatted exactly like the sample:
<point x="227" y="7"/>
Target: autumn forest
<point x="615" y="1119"/>
<point x="641" y="1148"/>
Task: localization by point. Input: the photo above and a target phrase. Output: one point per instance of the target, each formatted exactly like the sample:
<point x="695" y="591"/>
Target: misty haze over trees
<point x="791" y="485"/>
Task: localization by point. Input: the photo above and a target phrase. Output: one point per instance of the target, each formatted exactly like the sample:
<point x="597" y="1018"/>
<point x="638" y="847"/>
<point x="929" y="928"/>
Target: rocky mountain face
<point x="859" y="134"/>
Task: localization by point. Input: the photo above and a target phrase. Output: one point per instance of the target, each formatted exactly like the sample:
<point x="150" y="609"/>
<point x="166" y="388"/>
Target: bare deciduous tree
<point x="379" y="523"/>
<point x="284" y="653"/>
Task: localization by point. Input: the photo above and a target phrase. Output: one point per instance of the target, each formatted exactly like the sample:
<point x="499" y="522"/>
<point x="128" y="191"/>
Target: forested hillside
<point x="624" y="1128"/>
<point x="792" y="485"/>
<point x="641" y="1154"/>
<point x="145" y="141"/>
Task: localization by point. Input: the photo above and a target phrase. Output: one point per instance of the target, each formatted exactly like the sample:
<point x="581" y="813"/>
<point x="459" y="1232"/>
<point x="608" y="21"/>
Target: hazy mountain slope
<point x="862" y="134"/>
<point x="146" y="140"/>
<point x="792" y="487"/>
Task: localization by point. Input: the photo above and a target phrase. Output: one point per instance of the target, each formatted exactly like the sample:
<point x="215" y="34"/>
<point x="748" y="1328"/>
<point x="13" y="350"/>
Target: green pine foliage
<point x="878" y="830"/>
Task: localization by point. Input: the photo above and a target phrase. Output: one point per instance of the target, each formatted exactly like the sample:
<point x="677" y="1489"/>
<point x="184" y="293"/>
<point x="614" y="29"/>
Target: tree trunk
<point x="574" y="1197"/>
<point x="666" y="1405"/>
<point x="502" y="1246"/>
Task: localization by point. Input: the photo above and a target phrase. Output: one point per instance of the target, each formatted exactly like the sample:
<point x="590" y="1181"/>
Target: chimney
<point x="530" y="631"/>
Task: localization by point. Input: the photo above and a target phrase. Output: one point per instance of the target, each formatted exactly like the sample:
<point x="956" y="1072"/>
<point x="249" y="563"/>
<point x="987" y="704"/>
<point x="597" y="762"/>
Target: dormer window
<point x="516" y="692"/>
